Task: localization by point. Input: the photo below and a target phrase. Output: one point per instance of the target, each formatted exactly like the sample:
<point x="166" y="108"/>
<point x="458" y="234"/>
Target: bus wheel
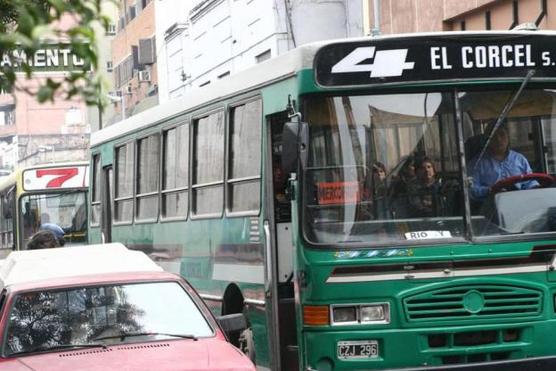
<point x="247" y="343"/>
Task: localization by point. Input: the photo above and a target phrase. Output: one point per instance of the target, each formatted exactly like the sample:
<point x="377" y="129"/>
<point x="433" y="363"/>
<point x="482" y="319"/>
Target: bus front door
<point x="279" y="219"/>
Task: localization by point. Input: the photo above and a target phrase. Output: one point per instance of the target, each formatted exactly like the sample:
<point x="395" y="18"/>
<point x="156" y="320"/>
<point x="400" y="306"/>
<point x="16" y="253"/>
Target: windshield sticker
<point x="334" y="193"/>
<point x="427" y="235"/>
<point x="373" y="253"/>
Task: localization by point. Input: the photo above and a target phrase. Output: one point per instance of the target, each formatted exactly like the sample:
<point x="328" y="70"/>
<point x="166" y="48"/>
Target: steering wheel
<point x="545" y="180"/>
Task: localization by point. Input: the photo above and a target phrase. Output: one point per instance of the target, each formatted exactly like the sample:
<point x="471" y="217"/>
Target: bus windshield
<point x="386" y="168"/>
<point x="65" y="209"/>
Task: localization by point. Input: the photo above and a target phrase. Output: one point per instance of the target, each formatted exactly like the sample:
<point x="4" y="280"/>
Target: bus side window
<point x="245" y="158"/>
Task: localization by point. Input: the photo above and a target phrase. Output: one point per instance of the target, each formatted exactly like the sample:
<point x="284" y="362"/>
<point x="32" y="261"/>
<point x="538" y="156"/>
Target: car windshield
<point x="386" y="168"/>
<point x="67" y="210"/>
<point x="46" y="320"/>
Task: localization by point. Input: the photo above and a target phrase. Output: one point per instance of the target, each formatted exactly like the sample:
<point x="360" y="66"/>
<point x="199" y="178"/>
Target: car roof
<point x="38" y="265"/>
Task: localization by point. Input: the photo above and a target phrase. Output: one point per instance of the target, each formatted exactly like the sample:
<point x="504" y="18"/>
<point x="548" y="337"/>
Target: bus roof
<point x="272" y="70"/>
<point x="36" y="265"/>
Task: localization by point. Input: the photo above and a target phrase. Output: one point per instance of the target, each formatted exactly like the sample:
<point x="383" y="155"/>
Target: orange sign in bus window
<point x="330" y="193"/>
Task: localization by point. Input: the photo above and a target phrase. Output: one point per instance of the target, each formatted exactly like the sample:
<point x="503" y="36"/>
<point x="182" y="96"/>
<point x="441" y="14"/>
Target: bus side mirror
<point x="295" y="137"/>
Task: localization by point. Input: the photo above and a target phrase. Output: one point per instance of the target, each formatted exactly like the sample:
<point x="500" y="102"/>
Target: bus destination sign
<point x="432" y="58"/>
<point x="55" y="177"/>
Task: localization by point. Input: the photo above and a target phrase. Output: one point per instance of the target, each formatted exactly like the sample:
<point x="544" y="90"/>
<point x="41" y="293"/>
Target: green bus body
<point x="475" y="297"/>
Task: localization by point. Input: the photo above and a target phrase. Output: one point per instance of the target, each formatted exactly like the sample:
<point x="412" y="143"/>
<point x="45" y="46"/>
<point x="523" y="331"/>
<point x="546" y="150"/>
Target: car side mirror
<point x="295" y="137"/>
<point x="232" y="323"/>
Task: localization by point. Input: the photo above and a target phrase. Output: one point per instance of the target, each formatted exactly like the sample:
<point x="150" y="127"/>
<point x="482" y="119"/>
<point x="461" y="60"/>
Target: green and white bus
<point x="400" y="236"/>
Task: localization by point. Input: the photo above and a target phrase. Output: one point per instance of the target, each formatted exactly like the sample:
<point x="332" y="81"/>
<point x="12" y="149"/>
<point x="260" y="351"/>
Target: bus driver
<point x="496" y="163"/>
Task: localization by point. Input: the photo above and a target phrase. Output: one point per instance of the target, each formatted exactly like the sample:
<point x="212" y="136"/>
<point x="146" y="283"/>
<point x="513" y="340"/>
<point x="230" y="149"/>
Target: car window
<point x="40" y="321"/>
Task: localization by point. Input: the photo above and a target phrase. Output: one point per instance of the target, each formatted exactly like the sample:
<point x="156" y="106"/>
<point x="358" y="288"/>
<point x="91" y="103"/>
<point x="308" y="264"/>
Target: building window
<point x="148" y="159"/>
<point x="208" y="165"/>
<point x="263" y="56"/>
<point x="123" y="201"/>
<point x="95" y="192"/>
<point x="111" y="29"/>
<point x="205" y="83"/>
<point x="245" y="158"/>
<point x="132" y="12"/>
<point x="222" y="75"/>
<point x="7" y="115"/>
<point x="175" y="176"/>
<point x="123" y="72"/>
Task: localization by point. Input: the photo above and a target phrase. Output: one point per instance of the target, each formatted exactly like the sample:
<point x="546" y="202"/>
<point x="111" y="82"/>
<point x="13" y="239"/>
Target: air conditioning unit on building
<point x="144" y="76"/>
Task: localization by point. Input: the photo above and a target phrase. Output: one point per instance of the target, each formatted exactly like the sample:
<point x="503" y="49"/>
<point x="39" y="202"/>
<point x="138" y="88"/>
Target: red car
<point x="105" y="307"/>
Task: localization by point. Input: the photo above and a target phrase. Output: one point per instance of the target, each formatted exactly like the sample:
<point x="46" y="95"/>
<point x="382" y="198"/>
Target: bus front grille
<point x="473" y="302"/>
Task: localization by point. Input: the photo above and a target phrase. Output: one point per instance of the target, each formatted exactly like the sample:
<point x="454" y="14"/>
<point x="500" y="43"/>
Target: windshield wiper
<point x="124" y="335"/>
<point x="503" y="115"/>
<point x="60" y="346"/>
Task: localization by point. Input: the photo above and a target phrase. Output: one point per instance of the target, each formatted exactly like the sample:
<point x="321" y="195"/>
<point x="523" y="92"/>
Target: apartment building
<point x="405" y="16"/>
<point x="134" y="68"/>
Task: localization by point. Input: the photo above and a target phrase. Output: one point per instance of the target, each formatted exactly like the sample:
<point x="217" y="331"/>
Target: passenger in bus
<point x="43" y="239"/>
<point x="398" y="189"/>
<point x="380" y="191"/>
<point x="55" y="229"/>
<point x="496" y="163"/>
<point x="424" y="191"/>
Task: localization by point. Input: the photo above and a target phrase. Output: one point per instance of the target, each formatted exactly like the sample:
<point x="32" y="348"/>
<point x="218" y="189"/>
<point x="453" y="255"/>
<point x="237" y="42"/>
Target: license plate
<point x="357" y="349"/>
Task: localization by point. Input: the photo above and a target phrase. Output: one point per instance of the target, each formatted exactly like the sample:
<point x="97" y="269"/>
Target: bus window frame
<point x="195" y="118"/>
<point x="232" y="181"/>
<point x="392" y="243"/>
<point x="7" y="231"/>
<point x="93" y="187"/>
<point x="43" y="192"/>
<point x="131" y="197"/>
<point x="136" y="194"/>
<point x="184" y="121"/>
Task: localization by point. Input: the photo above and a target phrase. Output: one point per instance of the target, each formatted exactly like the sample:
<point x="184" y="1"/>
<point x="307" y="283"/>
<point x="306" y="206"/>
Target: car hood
<point x="204" y="354"/>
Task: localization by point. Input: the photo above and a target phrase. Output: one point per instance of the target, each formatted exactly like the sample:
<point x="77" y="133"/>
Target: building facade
<point x="134" y="72"/>
<point x="407" y="16"/>
<point x="204" y="41"/>
<point x="31" y="132"/>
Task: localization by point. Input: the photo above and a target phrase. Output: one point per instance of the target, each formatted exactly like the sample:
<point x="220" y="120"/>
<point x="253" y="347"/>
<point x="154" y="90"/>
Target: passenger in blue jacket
<point x="498" y="162"/>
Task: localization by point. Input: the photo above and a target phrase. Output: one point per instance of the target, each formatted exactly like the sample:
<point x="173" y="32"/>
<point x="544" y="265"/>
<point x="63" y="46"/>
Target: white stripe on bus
<point x="437" y="274"/>
<point x="238" y="273"/>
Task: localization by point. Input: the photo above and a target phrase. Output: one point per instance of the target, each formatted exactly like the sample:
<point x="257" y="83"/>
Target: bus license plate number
<point x="357" y="349"/>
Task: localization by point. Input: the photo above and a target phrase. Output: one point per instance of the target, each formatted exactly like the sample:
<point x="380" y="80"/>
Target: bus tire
<point x="247" y="343"/>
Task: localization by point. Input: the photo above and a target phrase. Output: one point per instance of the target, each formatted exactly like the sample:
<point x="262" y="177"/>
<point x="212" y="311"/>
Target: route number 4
<point x="386" y="63"/>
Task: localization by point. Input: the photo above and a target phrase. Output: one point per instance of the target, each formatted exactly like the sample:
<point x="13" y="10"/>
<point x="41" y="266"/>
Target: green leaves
<point x="32" y="26"/>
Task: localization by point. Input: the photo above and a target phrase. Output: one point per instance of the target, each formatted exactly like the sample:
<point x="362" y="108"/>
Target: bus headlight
<point x="360" y="314"/>
<point x="344" y="315"/>
<point x="375" y="313"/>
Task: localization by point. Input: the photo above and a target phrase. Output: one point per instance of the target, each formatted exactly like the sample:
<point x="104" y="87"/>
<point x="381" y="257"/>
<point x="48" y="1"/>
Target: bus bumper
<point x="519" y="346"/>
